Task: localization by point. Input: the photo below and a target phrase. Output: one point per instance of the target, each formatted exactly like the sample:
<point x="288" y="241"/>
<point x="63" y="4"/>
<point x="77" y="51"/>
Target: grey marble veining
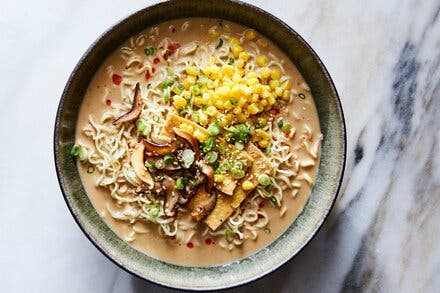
<point x="383" y="234"/>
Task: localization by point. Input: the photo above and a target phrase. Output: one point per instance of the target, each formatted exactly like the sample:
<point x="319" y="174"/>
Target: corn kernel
<point x="253" y="109"/>
<point x="249" y="34"/>
<point x="227" y="105"/>
<point x="218" y="104"/>
<point x="262" y="43"/>
<point x="252" y="81"/>
<point x="236" y="50"/>
<point x="276" y="74"/>
<point x="219" y="178"/>
<point x="271" y="100"/>
<point x="247" y="185"/>
<point x="243" y="56"/>
<point x="255" y="98"/>
<point x="200" y="136"/>
<point x="256" y="89"/>
<point x="263" y="144"/>
<point x="234" y="42"/>
<point x="274" y="84"/>
<point x="252" y="74"/>
<point x="203" y="119"/>
<point x="262" y="121"/>
<point x="214" y="33"/>
<point x="262" y="60"/>
<point x="229" y="117"/>
<point x="239" y="64"/>
<point x="211" y="111"/>
<point x="191" y="70"/>
<point x="241" y="102"/>
<point x="241" y="117"/>
<point x="286" y="95"/>
<point x="237" y="110"/>
<point x="287" y="85"/>
<point x="187" y="128"/>
<point x="222" y="122"/>
<point x="228" y="70"/>
<point x="264" y="103"/>
<point x="179" y="102"/>
<point x="263" y="134"/>
<point x="198" y="101"/>
<point x="265" y="72"/>
<point x="279" y="91"/>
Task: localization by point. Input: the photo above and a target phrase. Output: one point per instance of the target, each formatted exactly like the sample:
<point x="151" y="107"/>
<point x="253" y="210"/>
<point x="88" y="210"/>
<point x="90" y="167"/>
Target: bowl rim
<point x="343" y="142"/>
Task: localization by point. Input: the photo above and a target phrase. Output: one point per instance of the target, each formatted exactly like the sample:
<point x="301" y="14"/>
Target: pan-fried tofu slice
<point x="226" y="205"/>
<point x="174" y="120"/>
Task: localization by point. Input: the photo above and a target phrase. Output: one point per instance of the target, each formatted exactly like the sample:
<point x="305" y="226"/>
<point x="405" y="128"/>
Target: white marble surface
<point x="384" y="232"/>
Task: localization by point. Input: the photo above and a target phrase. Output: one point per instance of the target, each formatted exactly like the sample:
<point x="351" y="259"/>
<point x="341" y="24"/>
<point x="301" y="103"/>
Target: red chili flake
<point x="140" y="65"/>
<point x="153" y="70"/>
<point x="116" y="79"/>
<point x="260" y="216"/>
<point x="190" y="245"/>
<point x="242" y="210"/>
<point x="156" y="60"/>
<point x="261" y="205"/>
<point x="173" y="48"/>
<point x="173" y="30"/>
<point x="277" y="111"/>
<point x="147" y="75"/>
<point x="108" y="102"/>
<point x="208" y="241"/>
<point x="173" y="237"/>
<point x="166" y="55"/>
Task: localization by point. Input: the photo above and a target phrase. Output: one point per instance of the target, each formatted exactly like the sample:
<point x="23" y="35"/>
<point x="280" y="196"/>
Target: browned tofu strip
<point x="175" y="121"/>
<point x="226" y="205"/>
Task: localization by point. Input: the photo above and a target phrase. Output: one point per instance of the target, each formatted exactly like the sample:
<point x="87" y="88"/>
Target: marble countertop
<point x="382" y="235"/>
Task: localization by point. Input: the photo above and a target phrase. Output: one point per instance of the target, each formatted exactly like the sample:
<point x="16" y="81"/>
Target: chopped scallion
<point x="154" y="211"/>
<point x="83" y="154"/>
<point x="74" y="151"/>
<point x="264" y="180"/>
<point x="286" y="128"/>
<point x="267" y="230"/>
<point x="233" y="101"/>
<point x="90" y="169"/>
<point x="213" y="129"/>
<point x="229" y="235"/>
<point x="208" y="145"/>
<point x="219" y="44"/>
<point x="179" y="184"/>
<point x="211" y="157"/>
<point x="156" y="118"/>
<point x="167" y="83"/>
<point x="149" y="166"/>
<point x="188" y="158"/>
<point x="301" y="96"/>
<point x="237" y="173"/>
<point x="166" y="95"/>
<point x="168" y="159"/>
<point x="160" y="164"/>
<point x="280" y="123"/>
<point x="231" y="60"/>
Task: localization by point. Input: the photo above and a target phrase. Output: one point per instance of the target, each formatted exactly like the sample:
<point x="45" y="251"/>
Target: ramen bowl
<point x="297" y="235"/>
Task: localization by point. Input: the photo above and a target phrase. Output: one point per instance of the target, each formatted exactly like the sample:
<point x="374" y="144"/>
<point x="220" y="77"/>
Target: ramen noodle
<point x="198" y="141"/>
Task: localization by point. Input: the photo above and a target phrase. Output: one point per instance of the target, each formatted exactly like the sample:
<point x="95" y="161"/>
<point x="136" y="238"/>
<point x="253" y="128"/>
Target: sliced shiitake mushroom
<point x="159" y="149"/>
<point x="202" y="204"/>
<point x="209" y="172"/>
<point x="188" y="139"/>
<point x="137" y="162"/>
<point x="172" y="196"/>
<point x="135" y="110"/>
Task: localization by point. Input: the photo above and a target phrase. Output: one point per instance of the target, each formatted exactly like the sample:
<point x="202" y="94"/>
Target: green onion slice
<point x="74" y="151"/>
<point x="211" y="157"/>
<point x="83" y="154"/>
<point x="219" y="44"/>
<point x="188" y="158"/>
<point x="160" y="164"/>
<point x="90" y="169"/>
<point x="301" y="96"/>
<point x="237" y="173"/>
<point x="213" y="129"/>
<point x="264" y="180"/>
<point x="229" y="235"/>
<point x="179" y="184"/>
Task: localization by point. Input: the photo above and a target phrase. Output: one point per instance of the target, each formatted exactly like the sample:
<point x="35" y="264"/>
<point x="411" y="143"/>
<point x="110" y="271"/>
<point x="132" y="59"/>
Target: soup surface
<point x="198" y="141"/>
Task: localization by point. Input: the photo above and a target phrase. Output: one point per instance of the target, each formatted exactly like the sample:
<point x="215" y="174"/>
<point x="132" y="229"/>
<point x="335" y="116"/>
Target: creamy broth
<point x="200" y="249"/>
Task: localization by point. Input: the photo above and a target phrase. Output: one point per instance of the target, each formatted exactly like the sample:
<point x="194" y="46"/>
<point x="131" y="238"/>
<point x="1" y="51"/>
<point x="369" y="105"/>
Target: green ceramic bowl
<point x="284" y="247"/>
